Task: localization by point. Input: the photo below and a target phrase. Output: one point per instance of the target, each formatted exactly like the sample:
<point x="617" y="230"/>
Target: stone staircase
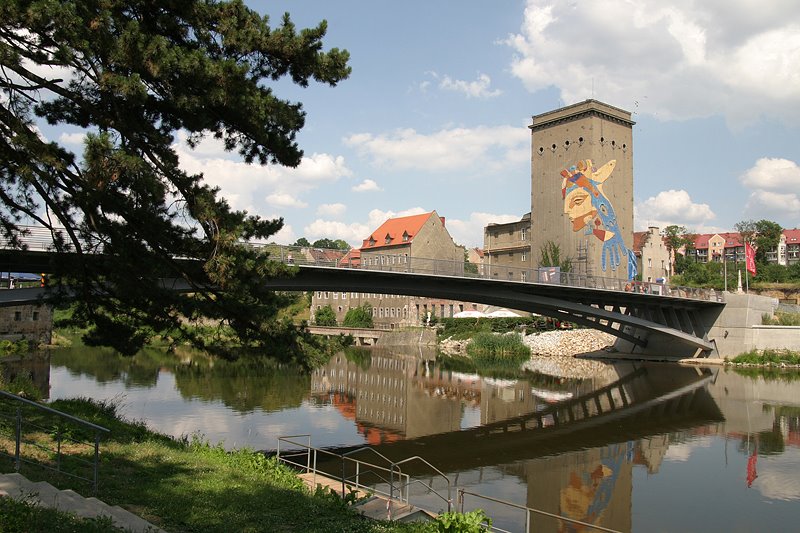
<point x="46" y="495"/>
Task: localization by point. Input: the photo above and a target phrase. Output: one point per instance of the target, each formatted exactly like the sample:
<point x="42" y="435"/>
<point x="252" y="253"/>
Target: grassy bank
<point x="189" y="485"/>
<point x="768" y="358"/>
<point x="492" y="350"/>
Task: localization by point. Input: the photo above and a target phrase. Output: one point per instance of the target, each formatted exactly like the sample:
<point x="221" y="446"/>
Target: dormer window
<point x="371" y="241"/>
<point x="388" y="239"/>
<point x="405" y="236"/>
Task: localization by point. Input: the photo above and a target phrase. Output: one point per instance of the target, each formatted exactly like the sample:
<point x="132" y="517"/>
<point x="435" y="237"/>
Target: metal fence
<point x="40" y="239"/>
<point x="386" y="479"/>
<point x="21" y="419"/>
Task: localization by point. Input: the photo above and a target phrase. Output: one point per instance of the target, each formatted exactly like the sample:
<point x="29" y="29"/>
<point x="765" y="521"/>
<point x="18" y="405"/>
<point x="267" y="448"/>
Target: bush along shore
<point x="767" y="358"/>
<point x="187" y="485"/>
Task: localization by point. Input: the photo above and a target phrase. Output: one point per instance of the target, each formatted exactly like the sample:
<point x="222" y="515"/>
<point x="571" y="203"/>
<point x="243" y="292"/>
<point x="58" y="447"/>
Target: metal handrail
<point x="18" y="418"/>
<point x="39" y="238"/>
<point x="528" y="511"/>
<point x="311" y="466"/>
<point x="449" y="499"/>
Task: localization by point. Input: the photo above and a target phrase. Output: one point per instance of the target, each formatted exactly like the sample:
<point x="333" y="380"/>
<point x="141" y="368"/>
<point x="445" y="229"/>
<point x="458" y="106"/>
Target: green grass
<point x="768" y="357"/>
<point x="190" y="485"/>
<point x="781" y="319"/>
<point x="489" y="349"/>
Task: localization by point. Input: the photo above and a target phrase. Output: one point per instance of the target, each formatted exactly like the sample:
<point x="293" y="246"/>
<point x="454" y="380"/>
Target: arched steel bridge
<point x="649" y="318"/>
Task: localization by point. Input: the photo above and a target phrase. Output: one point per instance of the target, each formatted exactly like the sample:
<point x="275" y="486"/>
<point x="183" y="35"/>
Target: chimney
<point x="442" y="219"/>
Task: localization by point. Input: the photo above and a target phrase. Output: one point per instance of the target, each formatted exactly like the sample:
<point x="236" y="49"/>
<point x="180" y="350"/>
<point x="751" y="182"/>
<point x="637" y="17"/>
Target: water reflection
<point x="635" y="446"/>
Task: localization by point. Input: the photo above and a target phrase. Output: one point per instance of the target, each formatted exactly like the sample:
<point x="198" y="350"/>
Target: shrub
<point x="359" y="317"/>
<point x="472" y="522"/>
<point x="325" y="316"/>
<point x="490" y="349"/>
<point x="768" y="357"/>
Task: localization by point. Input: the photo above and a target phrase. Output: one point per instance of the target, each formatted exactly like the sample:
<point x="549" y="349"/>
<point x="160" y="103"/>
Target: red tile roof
<point x="351" y="258"/>
<point x="397" y="231"/>
<point x="792" y="236"/>
<point x="639" y="238"/>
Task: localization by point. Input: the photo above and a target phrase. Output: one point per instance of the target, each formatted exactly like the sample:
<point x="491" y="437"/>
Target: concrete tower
<point x="582" y="187"/>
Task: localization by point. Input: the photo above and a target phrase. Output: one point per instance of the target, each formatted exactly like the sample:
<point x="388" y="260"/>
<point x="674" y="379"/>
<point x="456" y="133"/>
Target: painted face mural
<point x="589" y="209"/>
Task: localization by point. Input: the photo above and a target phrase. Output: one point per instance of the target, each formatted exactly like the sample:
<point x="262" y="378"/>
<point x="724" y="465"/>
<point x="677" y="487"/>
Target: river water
<point x="638" y="447"/>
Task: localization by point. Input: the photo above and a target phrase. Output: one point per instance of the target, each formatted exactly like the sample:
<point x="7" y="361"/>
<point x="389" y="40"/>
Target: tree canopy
<point x="132" y="74"/>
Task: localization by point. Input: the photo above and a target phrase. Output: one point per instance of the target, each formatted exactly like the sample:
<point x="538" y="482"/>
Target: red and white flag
<point x="750" y="258"/>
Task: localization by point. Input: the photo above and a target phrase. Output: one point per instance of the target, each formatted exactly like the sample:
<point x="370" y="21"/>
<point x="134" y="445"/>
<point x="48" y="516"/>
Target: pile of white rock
<point x="567" y="342"/>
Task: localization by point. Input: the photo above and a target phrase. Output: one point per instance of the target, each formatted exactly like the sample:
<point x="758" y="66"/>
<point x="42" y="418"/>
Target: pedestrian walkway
<point x="371" y="506"/>
<point x="20" y="488"/>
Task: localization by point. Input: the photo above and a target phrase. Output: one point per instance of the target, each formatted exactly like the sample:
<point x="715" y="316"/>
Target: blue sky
<point x="435" y="113"/>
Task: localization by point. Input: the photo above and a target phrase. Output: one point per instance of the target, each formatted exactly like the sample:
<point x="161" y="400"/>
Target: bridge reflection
<point x="405" y="404"/>
<point x="572" y="443"/>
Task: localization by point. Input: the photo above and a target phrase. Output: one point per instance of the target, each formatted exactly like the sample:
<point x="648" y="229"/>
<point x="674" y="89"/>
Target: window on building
<point x="335" y="295"/>
<point x="649" y="262"/>
<point x="371" y="241"/>
<point x="523" y="233"/>
<point x="524" y="275"/>
<point x="17" y="316"/>
<point x="405" y="236"/>
<point x="524" y="256"/>
<point x="388" y="239"/>
<point x="340" y="308"/>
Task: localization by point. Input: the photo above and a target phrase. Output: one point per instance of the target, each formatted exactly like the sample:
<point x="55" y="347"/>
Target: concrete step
<point x="17" y="486"/>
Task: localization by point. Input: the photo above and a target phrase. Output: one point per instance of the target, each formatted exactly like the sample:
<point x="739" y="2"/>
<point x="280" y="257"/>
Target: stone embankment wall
<point x="409" y="337"/>
<point x="31" y="322"/>
<point x="738" y="328"/>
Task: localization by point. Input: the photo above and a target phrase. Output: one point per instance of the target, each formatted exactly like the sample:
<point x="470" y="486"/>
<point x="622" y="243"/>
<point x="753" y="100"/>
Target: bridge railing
<point x="39" y="238"/>
<point x="387" y="262"/>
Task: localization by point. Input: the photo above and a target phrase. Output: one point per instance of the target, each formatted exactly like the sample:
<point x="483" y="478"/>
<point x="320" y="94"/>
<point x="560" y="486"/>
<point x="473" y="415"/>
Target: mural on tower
<point x="589" y="209"/>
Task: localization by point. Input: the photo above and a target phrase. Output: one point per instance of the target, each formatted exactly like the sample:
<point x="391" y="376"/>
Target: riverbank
<point x="190" y="485"/>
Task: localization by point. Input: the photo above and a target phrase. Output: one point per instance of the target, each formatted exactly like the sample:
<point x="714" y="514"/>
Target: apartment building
<point x="507" y="250"/>
<point x="652" y="255"/>
<point x="418" y="242"/>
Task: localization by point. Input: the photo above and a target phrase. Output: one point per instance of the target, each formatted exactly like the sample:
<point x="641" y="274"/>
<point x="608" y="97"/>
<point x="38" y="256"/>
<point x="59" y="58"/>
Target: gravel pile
<point x="552" y="352"/>
<point x="567" y="342"/>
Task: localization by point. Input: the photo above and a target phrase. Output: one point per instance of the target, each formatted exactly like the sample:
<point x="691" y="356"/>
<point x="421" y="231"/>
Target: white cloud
<point x="332" y="210"/>
<point x="445" y="150"/>
<point x="285" y="235"/>
<point x="352" y="233"/>
<point x="773" y="174"/>
<point x="688" y="59"/>
<point x="671" y="207"/>
<point x="76" y="138"/>
<point x="470" y="232"/>
<point x="365" y="186"/>
<point x="775" y="183"/>
<point x="681" y="452"/>
<point x="773" y="206"/>
<point x="779" y="480"/>
<point x="246" y="186"/>
<point x="284" y="200"/>
<point x="472" y="89"/>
